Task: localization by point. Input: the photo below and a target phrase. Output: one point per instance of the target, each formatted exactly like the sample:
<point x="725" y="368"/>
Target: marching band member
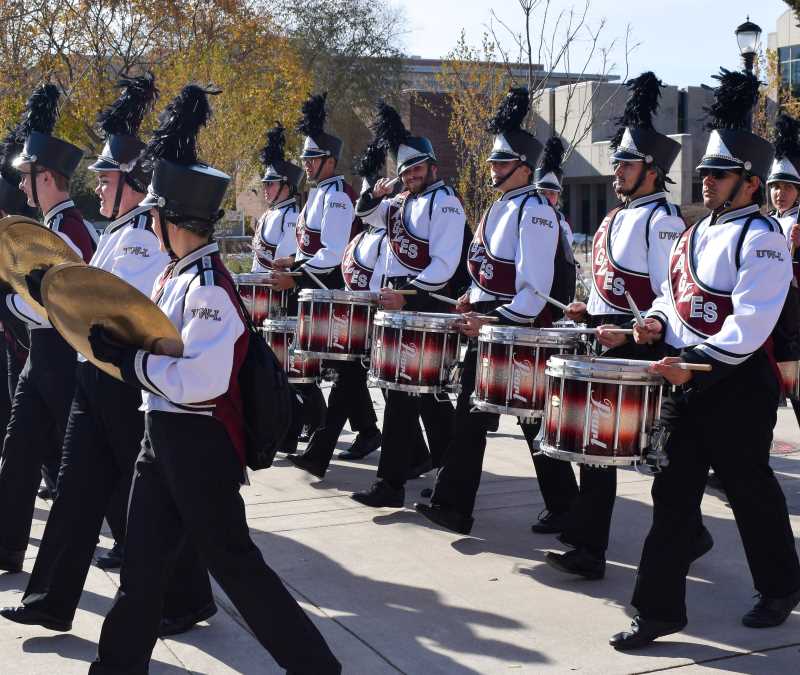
<point x="547" y="182"/>
<point x="105" y="426"/>
<point x="727" y="280"/>
<point x="325" y="226"/>
<point x="275" y="238"/>
<point x="189" y="471"/>
<point x="511" y="257"/>
<point x="47" y="383"/>
<point x="630" y="252"/>
<point x="425" y="226"/>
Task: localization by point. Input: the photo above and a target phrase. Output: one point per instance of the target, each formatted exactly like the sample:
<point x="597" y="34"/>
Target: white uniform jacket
<point x="275" y="235"/>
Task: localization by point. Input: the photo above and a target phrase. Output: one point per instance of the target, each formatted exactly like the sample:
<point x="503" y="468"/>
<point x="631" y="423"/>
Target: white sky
<point x="682" y="41"/>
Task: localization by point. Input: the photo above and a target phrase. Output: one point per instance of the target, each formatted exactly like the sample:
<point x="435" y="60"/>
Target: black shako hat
<point x="635" y="139"/>
<point x="391" y="135"/>
<point x="732" y="145"/>
<point x="12" y="200"/>
<point x="548" y="174"/>
<point x="511" y="141"/>
<point x="276" y="167"/>
<point x="35" y="131"/>
<point x="120" y="124"/>
<point x="787" y="151"/>
<point x="184" y="187"/>
<point x="317" y="143"/>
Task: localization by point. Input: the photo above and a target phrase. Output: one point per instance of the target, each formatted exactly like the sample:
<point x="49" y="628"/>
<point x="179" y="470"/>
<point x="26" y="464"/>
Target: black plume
<point x="552" y="156"/>
<point x="10" y="147"/>
<point x="175" y="139"/>
<point x="511" y="112"/>
<point x="124" y="116"/>
<point x="787" y="136"/>
<point x="370" y="164"/>
<point x="388" y="127"/>
<point x="734" y="98"/>
<point x="41" y="111"/>
<point x="312" y="122"/>
<point x="273" y="151"/>
<point x="642" y="104"/>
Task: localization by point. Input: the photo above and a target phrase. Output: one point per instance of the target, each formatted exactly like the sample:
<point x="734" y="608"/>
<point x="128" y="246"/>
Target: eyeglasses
<point x="717" y="174"/>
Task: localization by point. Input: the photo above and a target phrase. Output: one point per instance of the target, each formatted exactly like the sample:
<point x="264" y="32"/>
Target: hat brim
<point x="103" y="164"/>
<point x="624" y="156"/>
<point x="150" y="200"/>
<point x="312" y="154"/>
<point x="719" y="163"/>
<point x="21" y="161"/>
<point x="783" y="178"/>
<point x="413" y="162"/>
<point x="498" y="156"/>
<point x="548" y="186"/>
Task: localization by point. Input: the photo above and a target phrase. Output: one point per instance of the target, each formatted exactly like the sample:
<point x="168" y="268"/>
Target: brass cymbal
<point x="78" y="296"/>
<point x="5" y="221"/>
<point x="26" y="245"/>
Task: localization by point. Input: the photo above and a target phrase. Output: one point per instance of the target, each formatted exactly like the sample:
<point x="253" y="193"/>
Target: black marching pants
<point x="309" y="411"/>
<point x="402" y="442"/>
<point x="701" y="436"/>
<point x="349" y="398"/>
<point x="38" y="422"/>
<point x="102" y="442"/>
<point x="186" y="485"/>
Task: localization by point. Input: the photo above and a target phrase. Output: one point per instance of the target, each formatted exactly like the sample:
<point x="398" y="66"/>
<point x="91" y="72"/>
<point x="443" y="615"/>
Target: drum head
<point x="337" y="295"/>
<point x="596" y="369"/>
<point x="252" y="278"/>
<point x="531" y="337"/>
<point x="418" y="320"/>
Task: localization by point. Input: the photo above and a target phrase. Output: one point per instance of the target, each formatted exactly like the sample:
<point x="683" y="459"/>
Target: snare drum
<point x="279" y="334"/>
<point x="510" y="376"/>
<point x="599" y="411"/>
<point x="335" y="324"/>
<point x="260" y="300"/>
<point x="415" y="352"/>
<point x="790" y="378"/>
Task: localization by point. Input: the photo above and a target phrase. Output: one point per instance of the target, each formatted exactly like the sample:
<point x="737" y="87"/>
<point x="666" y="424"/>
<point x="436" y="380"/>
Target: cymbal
<point x="5" y="221"/>
<point x="26" y="245"/>
<point x="78" y="296"/>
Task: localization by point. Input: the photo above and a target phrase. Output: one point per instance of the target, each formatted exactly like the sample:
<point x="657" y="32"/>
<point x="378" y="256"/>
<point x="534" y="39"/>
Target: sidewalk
<point x="394" y="595"/>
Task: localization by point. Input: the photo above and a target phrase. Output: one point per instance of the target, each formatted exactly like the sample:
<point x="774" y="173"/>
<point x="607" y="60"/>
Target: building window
<point x="789" y="68"/>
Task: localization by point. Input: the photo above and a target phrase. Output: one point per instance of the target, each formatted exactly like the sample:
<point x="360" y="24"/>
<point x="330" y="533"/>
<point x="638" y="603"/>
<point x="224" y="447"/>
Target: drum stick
<point x="444" y="298"/>
<point x="315" y="280"/>
<point x="590" y="331"/>
<point x="552" y="301"/>
<point x="701" y="367"/>
<point x="405" y="291"/>
<point x="634" y="309"/>
<point x="681" y="365"/>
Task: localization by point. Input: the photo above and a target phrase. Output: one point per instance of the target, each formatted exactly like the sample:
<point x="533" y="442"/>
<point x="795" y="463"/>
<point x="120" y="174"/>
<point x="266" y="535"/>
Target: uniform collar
<point x="788" y="212"/>
<point x="516" y="192"/>
<point x="646" y="199"/>
<point x="728" y="216"/>
<point x="283" y="204"/>
<point x="125" y="218"/>
<point x="188" y="260"/>
<point x="432" y="187"/>
<point x="330" y="180"/>
<point x="58" y="208"/>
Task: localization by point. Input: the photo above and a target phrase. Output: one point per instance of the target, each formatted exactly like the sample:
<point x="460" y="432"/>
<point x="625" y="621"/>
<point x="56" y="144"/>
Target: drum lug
<point x="655" y="457"/>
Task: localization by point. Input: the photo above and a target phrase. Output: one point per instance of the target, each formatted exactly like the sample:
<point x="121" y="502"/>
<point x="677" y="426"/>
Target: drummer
<point x="105" y="423"/>
<point x="511" y="257"/>
<point x="275" y="238"/>
<point x="629" y="253"/>
<point x="426" y="229"/>
<point x="742" y="255"/>
<point x="191" y="465"/>
<point x="41" y="403"/>
<point x="325" y="226"/>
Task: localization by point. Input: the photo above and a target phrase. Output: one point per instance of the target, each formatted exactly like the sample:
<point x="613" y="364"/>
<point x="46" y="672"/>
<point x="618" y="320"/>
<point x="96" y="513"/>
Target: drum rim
<point x="530" y="337"/>
<point x="416" y="320"/>
<point x="327" y="356"/>
<point x="411" y="388"/>
<point x="505" y="410"/>
<point x="340" y="295"/>
<point x="251" y="278"/>
<point x="580" y="458"/>
<point x="275" y="323"/>
<point x="600" y="370"/>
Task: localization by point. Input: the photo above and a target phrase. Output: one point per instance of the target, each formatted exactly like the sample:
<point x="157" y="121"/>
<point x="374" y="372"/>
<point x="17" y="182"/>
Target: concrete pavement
<point x="395" y="595"/>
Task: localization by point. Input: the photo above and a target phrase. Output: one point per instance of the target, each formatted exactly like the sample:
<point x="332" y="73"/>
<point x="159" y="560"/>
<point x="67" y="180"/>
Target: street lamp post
<point x="748" y="36"/>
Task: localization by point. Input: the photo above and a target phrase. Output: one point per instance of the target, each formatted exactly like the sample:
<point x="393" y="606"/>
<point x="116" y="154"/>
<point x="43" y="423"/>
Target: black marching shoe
<point x="770" y="612"/>
<point x="305" y="434"/>
<point x="381" y="494"/>
<point x="35" y="617"/>
<point x="46" y="493"/>
<point x="182" y="624"/>
<point x="702" y="545"/>
<point x="579" y="562"/>
<point x="426" y="493"/>
<point x="364" y="444"/>
<point x="307" y="464"/>
<point x="448" y="518"/>
<point x="110" y="560"/>
<point x="11" y="561"/>
<point x="643" y="632"/>
<point x="549" y="522"/>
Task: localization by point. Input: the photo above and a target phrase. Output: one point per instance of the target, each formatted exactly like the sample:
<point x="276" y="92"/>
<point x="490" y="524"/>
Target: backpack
<point x="267" y="398"/>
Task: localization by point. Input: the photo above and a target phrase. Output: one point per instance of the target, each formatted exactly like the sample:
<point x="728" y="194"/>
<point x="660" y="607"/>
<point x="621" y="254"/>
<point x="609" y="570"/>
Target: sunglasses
<point x="716" y="174"/>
